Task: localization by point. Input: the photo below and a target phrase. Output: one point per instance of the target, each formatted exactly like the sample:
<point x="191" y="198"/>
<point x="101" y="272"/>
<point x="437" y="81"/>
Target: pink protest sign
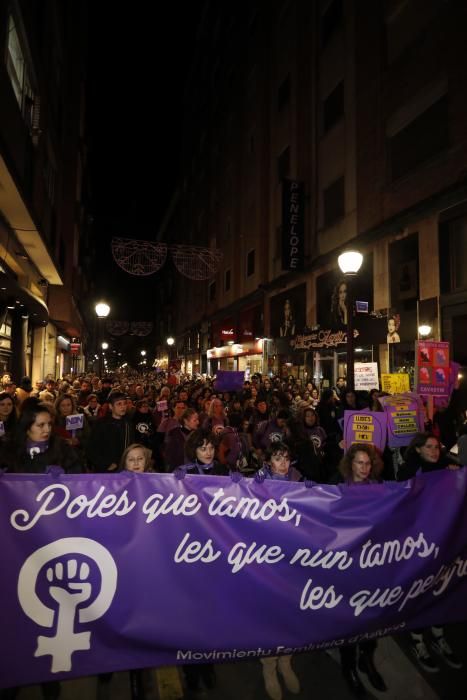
<point x="432" y="371"/>
<point x="365" y="427"/>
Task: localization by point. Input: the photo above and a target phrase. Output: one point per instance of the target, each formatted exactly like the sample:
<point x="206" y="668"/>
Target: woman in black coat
<point x="33" y="447"/>
<point x="424" y="455"/>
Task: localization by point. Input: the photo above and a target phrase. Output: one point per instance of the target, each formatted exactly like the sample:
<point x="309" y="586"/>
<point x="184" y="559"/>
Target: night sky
<point x="137" y="71"/>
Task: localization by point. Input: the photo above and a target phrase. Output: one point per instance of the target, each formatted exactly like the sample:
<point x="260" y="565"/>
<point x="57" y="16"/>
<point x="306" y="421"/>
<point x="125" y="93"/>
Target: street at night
<point x="233" y="357"/>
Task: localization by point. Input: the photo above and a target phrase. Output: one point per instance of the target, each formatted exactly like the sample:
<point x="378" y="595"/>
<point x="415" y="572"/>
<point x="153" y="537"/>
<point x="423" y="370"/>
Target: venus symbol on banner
<point x="69" y="585"/>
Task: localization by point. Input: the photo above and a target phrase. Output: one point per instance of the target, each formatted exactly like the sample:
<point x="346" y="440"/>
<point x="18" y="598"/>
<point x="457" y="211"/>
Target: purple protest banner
<point x="368" y="427"/>
<point x="110" y="572"/>
<point x="404" y="417"/>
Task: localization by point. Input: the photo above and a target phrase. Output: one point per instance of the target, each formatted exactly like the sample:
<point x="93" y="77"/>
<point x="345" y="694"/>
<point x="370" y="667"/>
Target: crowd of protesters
<point x="269" y="428"/>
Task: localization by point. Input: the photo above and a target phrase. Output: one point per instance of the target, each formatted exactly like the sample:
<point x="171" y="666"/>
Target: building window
<point x="452" y="252"/>
<point x="333" y="107"/>
<point x="227" y="281"/>
<point x="331" y="20"/>
<point x="407" y="23"/>
<point x="283" y="94"/>
<point x="334" y="202"/>
<point x="250" y="263"/>
<point x="212" y="291"/>
<point x="423" y="138"/>
<point x="283" y="164"/>
<point x="18" y="73"/>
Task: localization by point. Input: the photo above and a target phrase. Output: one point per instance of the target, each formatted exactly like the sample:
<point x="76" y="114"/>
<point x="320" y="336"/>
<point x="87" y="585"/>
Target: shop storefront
<point x="240" y="357"/>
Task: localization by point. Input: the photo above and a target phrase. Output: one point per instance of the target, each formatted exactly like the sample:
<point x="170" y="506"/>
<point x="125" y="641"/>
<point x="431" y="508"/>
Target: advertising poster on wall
<point x="331" y="294"/>
<point x="288" y="312"/>
<point x="432" y="370"/>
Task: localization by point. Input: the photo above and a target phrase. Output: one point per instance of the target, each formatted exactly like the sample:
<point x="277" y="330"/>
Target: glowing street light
<point x="350" y="262"/>
<point x="104" y="345"/>
<point x="102" y="309"/>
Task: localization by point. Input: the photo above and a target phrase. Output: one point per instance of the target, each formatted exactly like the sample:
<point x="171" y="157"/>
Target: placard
<point x="74" y="422"/>
<point x="366" y="376"/>
<point x="395" y="383"/>
<point x="405" y="418"/>
<point x="367" y="427"/>
<point x="432" y="368"/>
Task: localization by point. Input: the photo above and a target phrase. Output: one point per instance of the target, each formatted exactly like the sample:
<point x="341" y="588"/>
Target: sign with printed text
<point x="293" y="225"/>
<point x="366" y="376"/>
<point x="367" y="427"/>
<point x="405" y="417"/>
<point x="395" y="383"/>
<point x="85" y="554"/>
<point x="161" y="406"/>
<point x="74" y="422"/>
<point x="432" y="371"/>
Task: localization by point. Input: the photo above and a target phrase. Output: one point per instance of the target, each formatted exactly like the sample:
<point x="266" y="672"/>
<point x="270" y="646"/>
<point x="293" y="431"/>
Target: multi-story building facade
<point x="322" y="126"/>
<point x="42" y="168"/>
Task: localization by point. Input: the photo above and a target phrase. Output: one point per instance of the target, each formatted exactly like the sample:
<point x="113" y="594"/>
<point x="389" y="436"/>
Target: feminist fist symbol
<point x="69" y="587"/>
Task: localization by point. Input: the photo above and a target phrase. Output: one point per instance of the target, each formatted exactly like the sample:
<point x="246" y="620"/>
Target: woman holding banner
<point x="424" y="455"/>
<point x="361" y="464"/>
<point x="199" y="453"/>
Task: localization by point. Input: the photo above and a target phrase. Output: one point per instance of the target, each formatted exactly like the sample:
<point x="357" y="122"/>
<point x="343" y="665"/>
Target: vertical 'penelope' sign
<point x="293" y="218"/>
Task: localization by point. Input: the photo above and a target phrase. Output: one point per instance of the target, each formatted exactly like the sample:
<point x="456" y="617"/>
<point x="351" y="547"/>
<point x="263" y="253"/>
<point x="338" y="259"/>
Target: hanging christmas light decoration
<point x="139" y="258"/>
<point x="195" y="262"/>
<point x="142" y="258"/>
<point x="141" y="328"/>
<point x="117" y="327"/>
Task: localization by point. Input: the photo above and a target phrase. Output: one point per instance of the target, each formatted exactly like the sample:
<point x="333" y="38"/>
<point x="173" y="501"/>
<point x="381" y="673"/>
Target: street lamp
<point x="104" y="346"/>
<point x="350" y="262"/>
<point x="170" y="340"/>
<point x="424" y="330"/>
<point x="143" y="353"/>
<point x="102" y="310"/>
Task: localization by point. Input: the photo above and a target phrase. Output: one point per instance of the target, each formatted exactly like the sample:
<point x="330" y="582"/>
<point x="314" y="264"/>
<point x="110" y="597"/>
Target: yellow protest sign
<point x="395" y="383"/>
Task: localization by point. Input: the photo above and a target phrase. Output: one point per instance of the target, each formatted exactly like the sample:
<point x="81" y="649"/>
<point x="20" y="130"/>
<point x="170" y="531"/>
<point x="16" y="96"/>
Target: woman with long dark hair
<point x="34" y="447"/>
<point x="8" y="415"/>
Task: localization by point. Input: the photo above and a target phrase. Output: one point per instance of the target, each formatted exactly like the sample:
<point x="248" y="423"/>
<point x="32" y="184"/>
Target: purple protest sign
<point x="229" y="380"/>
<point x="109" y="572"/>
<point x="404" y="417"/>
<point x="365" y="426"/>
